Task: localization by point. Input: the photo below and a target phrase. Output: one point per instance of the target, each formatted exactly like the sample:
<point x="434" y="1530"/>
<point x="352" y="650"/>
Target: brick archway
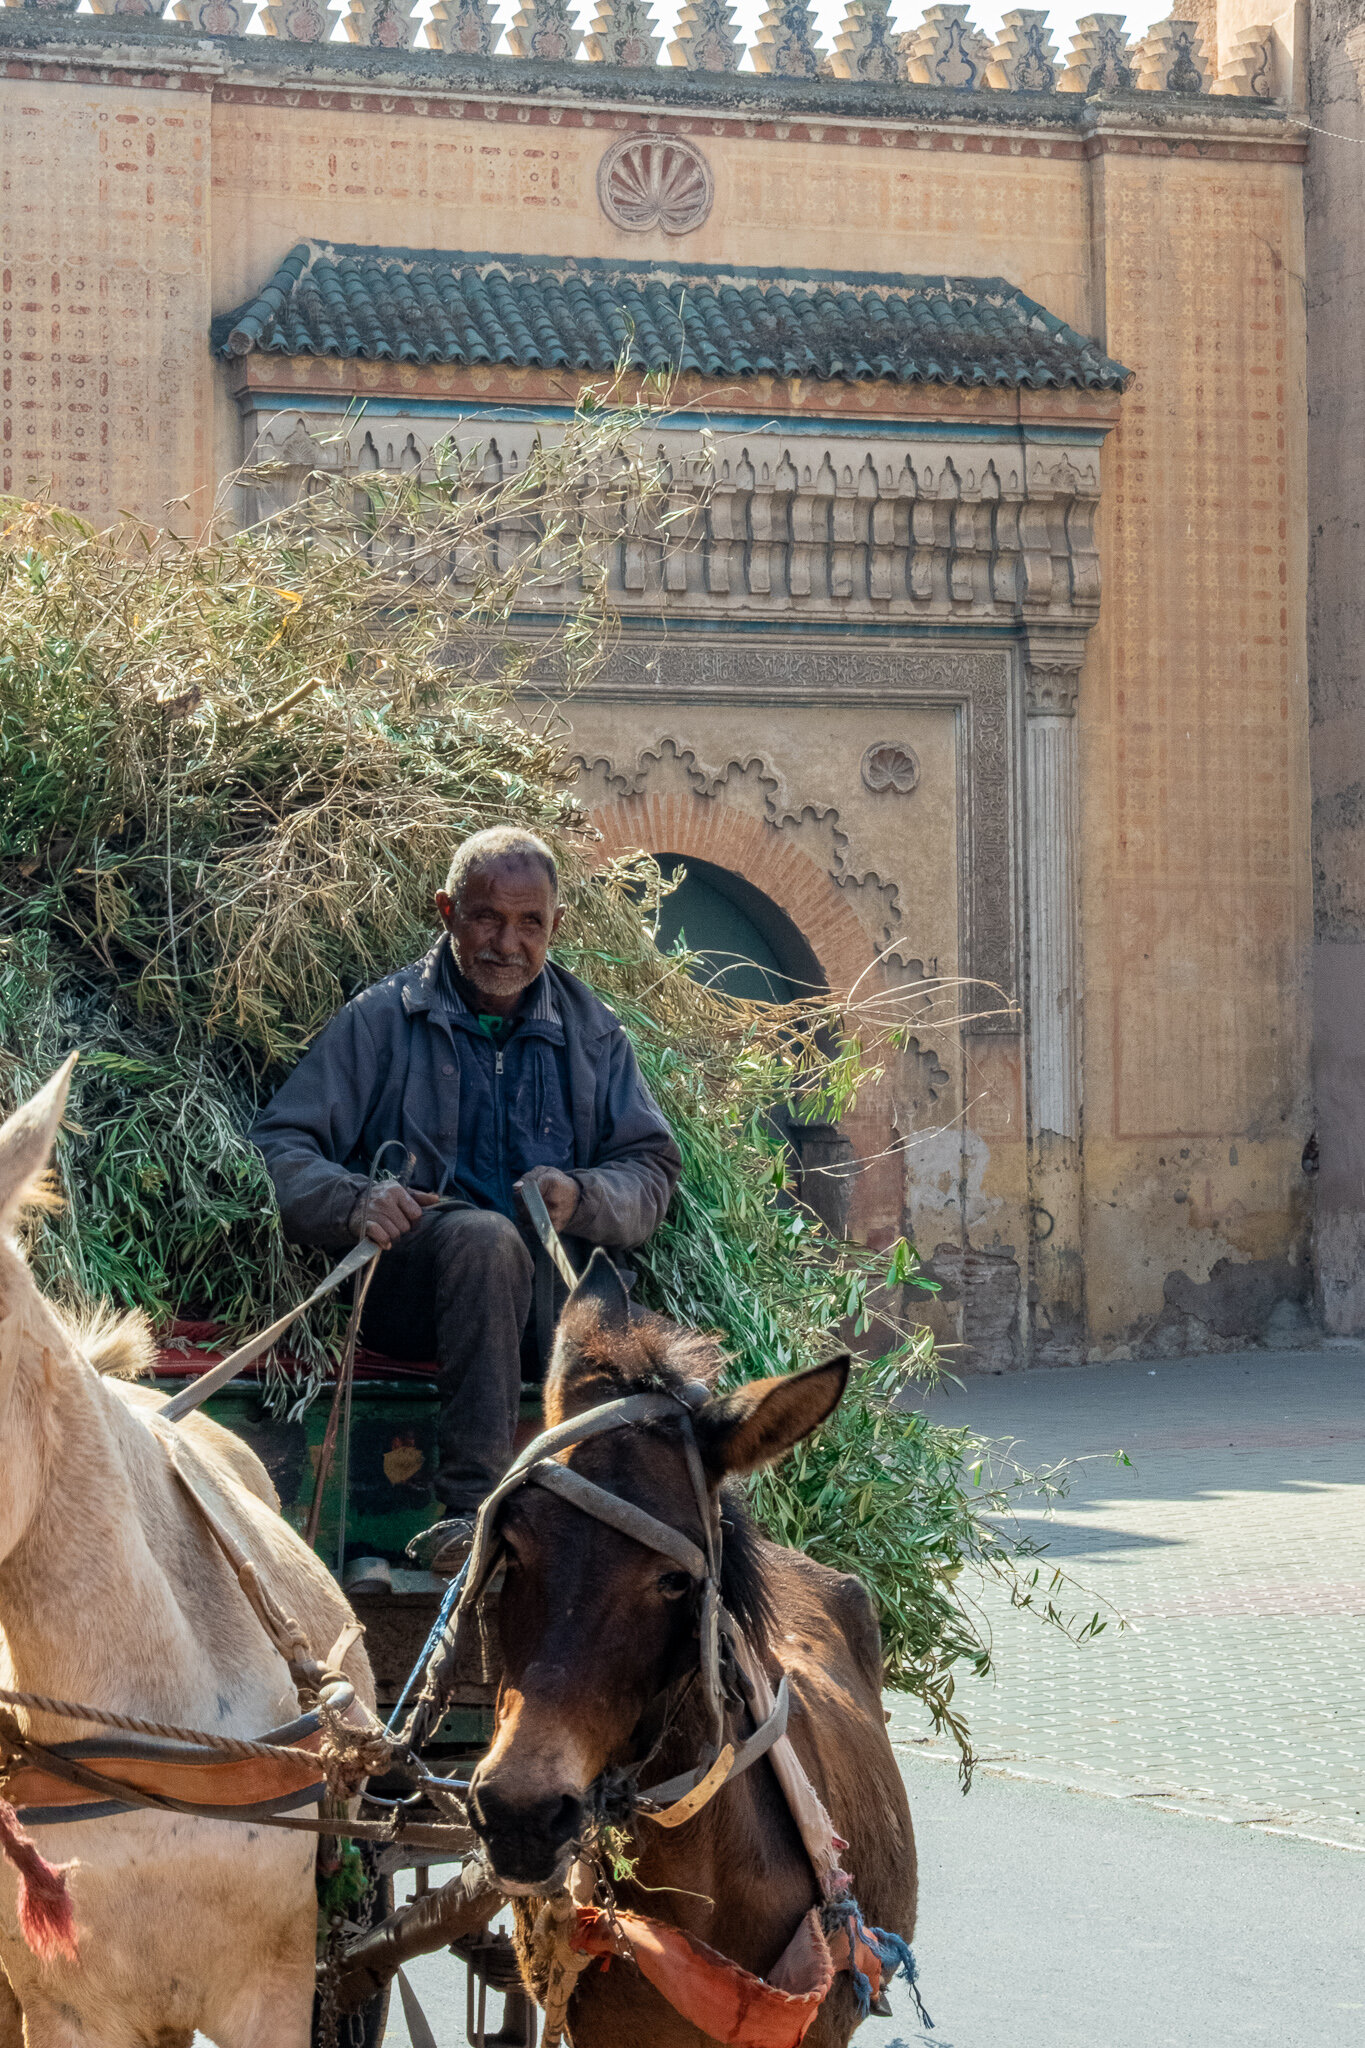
<point x="708" y="829"/>
<point x="711" y="830"/>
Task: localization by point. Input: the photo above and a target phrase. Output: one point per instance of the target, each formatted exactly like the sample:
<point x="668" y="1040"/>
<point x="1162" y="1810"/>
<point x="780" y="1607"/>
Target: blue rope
<point x="892" y="1951"/>
<point x="438" y="1629"/>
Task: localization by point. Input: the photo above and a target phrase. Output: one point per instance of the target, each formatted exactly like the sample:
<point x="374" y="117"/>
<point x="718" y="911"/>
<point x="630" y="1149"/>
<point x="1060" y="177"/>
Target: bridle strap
<point x="578" y="1429"/>
<point x="691" y="1790"/>
<point x="619" y="1514"/>
<point x="539" y="1465"/>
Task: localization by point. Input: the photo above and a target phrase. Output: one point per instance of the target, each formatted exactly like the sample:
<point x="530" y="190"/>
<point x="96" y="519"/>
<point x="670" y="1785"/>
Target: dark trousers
<point x="458" y="1288"/>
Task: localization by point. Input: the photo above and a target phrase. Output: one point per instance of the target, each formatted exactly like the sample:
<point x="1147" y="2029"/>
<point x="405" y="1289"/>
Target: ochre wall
<point x="1335" y="210"/>
<point x="132" y="213"/>
<point x="281" y="174"/>
<point x="106" y="385"/>
<point x="1194" y="746"/>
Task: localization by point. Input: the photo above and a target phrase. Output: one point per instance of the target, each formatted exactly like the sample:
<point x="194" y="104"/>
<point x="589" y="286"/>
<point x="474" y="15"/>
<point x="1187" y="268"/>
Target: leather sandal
<point x="443" y="1547"/>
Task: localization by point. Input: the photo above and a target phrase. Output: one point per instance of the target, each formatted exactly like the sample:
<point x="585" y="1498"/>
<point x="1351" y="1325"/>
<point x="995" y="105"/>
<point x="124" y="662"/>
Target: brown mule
<point x="599" y="1636"/>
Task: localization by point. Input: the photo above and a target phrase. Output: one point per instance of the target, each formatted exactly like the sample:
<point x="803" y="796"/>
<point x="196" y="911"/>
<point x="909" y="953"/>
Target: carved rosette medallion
<point x="889" y="766"/>
<point x="647" y="181"/>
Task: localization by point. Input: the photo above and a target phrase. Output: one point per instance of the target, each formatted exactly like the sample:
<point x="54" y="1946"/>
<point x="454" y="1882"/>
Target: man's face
<point x="502" y="928"/>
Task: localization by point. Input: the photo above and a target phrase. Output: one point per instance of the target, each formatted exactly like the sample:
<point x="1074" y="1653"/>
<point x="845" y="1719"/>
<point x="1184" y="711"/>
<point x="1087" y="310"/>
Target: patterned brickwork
<point x="104" y="294"/>
<point x="729" y="838"/>
<point x="1196" y="753"/>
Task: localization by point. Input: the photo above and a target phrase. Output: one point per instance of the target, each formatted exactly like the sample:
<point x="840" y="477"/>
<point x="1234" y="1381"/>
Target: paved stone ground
<point x="1234" y="1545"/>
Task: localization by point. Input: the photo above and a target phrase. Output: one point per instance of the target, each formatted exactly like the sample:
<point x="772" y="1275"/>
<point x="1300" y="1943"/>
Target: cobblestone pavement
<point x="1234" y="1545"/>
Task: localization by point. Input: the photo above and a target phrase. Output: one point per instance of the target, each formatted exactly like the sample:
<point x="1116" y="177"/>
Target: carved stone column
<point x="1052" y="804"/>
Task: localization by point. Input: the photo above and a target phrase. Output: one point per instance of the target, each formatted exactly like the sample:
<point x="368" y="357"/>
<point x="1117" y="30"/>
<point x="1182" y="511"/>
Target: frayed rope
<point x="892" y="1951"/>
<point x="46" y="1920"/>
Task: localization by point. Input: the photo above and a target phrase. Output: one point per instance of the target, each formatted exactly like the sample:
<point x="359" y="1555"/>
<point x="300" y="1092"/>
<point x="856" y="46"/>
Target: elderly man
<point x="491" y="1067"/>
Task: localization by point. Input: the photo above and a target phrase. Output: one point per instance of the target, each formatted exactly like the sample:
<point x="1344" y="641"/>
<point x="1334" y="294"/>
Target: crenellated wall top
<point x="939" y="69"/>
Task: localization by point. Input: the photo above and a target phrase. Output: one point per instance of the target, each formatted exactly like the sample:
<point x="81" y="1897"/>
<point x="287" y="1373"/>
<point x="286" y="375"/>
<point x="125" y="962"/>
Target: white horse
<point x="114" y="1594"/>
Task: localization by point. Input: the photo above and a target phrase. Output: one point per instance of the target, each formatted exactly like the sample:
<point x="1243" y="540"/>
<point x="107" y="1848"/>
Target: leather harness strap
<point x="688" y="1788"/>
<point x="620" y="1514"/>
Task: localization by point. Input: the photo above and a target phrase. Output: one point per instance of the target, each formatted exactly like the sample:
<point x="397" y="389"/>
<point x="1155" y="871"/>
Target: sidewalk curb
<point x="1295" y="1828"/>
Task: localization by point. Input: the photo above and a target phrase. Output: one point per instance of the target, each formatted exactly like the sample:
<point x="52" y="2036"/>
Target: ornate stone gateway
<point x="852" y="635"/>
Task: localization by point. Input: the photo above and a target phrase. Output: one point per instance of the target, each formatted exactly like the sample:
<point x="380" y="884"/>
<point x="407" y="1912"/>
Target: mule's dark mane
<point x="655" y="1357"/>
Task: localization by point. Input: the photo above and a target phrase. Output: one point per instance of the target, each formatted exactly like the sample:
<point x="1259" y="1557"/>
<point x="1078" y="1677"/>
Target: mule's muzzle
<point x="528" y="1841"/>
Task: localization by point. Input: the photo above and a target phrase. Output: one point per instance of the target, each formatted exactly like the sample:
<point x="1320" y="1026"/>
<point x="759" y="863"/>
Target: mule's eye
<point x="674" y="1584"/>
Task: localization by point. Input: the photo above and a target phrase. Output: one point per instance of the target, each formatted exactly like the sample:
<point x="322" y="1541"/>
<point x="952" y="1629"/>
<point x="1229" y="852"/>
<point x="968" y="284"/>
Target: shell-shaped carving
<point x="647" y="181"/>
<point x="888" y="765"/>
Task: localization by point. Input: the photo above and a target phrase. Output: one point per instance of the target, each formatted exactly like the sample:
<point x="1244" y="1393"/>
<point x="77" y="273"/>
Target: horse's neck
<point x="87" y="1609"/>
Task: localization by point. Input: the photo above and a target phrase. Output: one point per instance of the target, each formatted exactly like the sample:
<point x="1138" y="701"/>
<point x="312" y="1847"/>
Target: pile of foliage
<point x="231" y="776"/>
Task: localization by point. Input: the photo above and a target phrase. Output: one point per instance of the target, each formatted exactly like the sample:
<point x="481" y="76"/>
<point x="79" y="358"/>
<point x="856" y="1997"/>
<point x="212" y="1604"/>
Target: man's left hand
<point x="559" y="1192"/>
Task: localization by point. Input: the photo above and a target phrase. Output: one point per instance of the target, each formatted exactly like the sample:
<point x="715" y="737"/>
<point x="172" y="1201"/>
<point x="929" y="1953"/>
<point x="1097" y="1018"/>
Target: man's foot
<point x="443" y="1547"/>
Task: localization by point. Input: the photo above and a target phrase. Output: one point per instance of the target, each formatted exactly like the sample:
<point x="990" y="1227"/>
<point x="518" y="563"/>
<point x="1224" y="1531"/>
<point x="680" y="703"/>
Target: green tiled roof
<point x="579" y="313"/>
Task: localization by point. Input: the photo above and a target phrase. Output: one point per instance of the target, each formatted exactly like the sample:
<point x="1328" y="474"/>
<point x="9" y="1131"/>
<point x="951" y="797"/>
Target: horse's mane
<point x="655" y="1357"/>
<point x="118" y="1343"/>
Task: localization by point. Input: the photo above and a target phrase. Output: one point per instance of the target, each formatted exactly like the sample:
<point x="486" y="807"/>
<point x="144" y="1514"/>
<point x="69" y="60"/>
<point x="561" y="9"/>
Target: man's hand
<point x="393" y="1210"/>
<point x="559" y="1192"/>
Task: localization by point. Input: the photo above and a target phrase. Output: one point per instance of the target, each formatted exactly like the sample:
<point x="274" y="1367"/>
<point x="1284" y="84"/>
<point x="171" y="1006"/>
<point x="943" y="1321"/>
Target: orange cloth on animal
<point x="726" y="2002"/>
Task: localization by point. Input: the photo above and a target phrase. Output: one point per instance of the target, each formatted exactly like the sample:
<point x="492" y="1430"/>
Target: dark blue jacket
<point x="393" y="1064"/>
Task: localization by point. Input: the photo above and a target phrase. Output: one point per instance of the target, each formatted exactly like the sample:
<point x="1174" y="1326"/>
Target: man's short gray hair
<point x="498" y="843"/>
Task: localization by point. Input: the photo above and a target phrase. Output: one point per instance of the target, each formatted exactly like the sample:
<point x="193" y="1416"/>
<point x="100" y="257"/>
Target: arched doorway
<point x="862" y="1170"/>
<point x="751" y="947"/>
<point x="747" y="946"/>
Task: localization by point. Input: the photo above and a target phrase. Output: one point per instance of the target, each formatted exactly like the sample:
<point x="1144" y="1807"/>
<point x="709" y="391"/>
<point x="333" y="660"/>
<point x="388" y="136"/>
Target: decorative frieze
<point x="624" y="32"/>
<point x="300" y="21"/>
<point x="947" y="49"/>
<point x="788" y="43"/>
<point x="1170" y="58"/>
<point x="867" y="45"/>
<point x="706" y="38"/>
<point x="379" y="24"/>
<point x="1249" y="72"/>
<point x="547" y="29"/>
<point x="770" y="524"/>
<point x="944" y="51"/>
<point x="466" y="28"/>
<point x="1024" y="58"/>
<point x="1100" y="58"/>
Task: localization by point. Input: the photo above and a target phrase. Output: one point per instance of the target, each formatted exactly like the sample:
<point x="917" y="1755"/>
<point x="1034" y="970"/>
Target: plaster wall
<point x="105" y="267"/>
<point x="1335" y="195"/>
<point x="1194" y="758"/>
<point x="132" y="213"/>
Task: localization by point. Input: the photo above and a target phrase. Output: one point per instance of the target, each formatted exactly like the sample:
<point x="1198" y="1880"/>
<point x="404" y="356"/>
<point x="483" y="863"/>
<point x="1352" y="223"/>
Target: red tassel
<point x="46" y="1920"/>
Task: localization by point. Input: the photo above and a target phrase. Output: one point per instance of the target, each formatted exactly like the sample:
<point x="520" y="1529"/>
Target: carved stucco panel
<point x="762" y="789"/>
<point x="883" y="848"/>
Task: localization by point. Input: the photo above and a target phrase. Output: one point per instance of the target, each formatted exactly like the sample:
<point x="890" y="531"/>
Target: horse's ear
<point x="762" y="1421"/>
<point x="603" y="1286"/>
<point x="26" y="1142"/>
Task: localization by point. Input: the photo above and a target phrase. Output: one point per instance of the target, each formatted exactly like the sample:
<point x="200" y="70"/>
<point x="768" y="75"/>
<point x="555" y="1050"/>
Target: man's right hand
<point x="393" y="1211"/>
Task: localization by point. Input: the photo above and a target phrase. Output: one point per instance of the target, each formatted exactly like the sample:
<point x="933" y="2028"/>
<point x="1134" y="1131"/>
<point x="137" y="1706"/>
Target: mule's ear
<point x="26" y="1142"/>
<point x="603" y="1286"/>
<point x="763" y="1420"/>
